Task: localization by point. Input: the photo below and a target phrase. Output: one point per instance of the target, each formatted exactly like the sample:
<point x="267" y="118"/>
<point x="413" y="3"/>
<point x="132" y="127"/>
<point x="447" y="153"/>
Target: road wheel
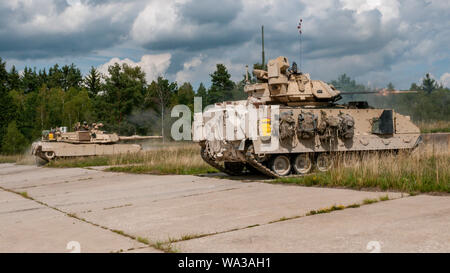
<point x="50" y="155"/>
<point x="281" y="165"/>
<point x="324" y="162"/>
<point x="303" y="163"/>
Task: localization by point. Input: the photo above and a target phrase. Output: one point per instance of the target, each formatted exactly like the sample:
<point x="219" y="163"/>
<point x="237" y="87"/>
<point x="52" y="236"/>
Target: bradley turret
<point x="282" y="84"/>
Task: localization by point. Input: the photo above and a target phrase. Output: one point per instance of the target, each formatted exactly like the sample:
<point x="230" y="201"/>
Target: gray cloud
<point x="55" y="28"/>
<point x="210" y="12"/>
<point x="376" y="41"/>
<point x="191" y="25"/>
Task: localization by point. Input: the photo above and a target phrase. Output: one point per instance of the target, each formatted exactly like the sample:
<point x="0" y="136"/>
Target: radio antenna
<point x="299" y="27"/>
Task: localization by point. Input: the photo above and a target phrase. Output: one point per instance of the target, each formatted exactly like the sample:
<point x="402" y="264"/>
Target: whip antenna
<point x="262" y="44"/>
<point x="299" y="27"/>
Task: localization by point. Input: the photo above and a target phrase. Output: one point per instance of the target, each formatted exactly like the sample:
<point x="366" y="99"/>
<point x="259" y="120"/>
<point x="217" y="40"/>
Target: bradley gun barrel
<point x="383" y="92"/>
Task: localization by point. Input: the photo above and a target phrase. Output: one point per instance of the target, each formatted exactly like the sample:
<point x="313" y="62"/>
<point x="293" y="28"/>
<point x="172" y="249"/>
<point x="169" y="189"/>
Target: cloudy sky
<point x="374" y="41"/>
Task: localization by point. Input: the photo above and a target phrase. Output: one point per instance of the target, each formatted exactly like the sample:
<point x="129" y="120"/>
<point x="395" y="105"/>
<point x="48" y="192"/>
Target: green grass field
<point x="434" y="126"/>
<point x="172" y="159"/>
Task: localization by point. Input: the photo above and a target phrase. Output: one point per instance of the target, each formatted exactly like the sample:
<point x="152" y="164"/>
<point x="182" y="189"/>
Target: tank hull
<point x="53" y="150"/>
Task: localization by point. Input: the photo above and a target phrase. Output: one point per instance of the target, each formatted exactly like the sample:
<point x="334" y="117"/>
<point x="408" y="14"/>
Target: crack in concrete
<point x="195" y="194"/>
<point x="41" y="185"/>
<point x="311" y="213"/>
<point x="19" y="210"/>
<point x="146" y="197"/>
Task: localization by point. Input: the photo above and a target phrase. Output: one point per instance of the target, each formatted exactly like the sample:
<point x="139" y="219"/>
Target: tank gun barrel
<point x="136" y="137"/>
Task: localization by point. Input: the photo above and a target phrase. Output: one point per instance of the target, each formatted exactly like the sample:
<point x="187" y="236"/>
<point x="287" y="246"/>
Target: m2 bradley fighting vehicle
<point x="291" y="124"/>
<point x="85" y="140"/>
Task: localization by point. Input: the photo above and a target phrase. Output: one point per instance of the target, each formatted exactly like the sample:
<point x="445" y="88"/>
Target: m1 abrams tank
<point x="83" y="141"/>
<point x="299" y="126"/>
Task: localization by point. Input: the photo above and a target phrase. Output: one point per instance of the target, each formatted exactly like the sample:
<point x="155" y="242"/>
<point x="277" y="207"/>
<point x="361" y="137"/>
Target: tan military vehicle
<point x="301" y="128"/>
<point x="85" y="140"/>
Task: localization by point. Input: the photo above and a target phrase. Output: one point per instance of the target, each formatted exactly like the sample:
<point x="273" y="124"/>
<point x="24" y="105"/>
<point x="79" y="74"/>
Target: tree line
<point x="36" y="100"/>
<point x="122" y="100"/>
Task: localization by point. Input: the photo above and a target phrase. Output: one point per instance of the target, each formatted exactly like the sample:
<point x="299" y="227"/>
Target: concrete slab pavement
<point x="412" y="224"/>
<point x="159" y="208"/>
<point x="27" y="226"/>
<point x="172" y="206"/>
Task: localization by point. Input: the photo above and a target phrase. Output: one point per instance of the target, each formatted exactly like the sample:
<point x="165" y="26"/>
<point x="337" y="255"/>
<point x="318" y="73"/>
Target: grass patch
<point x="353" y="206"/>
<point x="21" y="159"/>
<point x="73" y="215"/>
<point x="161" y="169"/>
<point x="143" y="240"/>
<point x="384" y="198"/>
<point x="9" y="158"/>
<point x="25" y="195"/>
<point x="120" y="232"/>
<point x="368" y="201"/>
<point x="326" y="210"/>
<point x="166" y="247"/>
<point x="172" y="159"/>
<point x="419" y="172"/>
<point x="81" y="162"/>
<point x="284" y="219"/>
<point x="190" y="237"/>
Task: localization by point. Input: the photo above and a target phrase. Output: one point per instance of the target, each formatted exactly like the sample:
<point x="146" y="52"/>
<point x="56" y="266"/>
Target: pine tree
<point x="3" y="76"/>
<point x="55" y="77"/>
<point x="92" y="82"/>
<point x="30" y="81"/>
<point x="429" y="84"/>
<point x="185" y="95"/>
<point x="201" y="92"/>
<point x="71" y="77"/>
<point x="13" y="79"/>
<point x="42" y="77"/>
<point x="222" y="86"/>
